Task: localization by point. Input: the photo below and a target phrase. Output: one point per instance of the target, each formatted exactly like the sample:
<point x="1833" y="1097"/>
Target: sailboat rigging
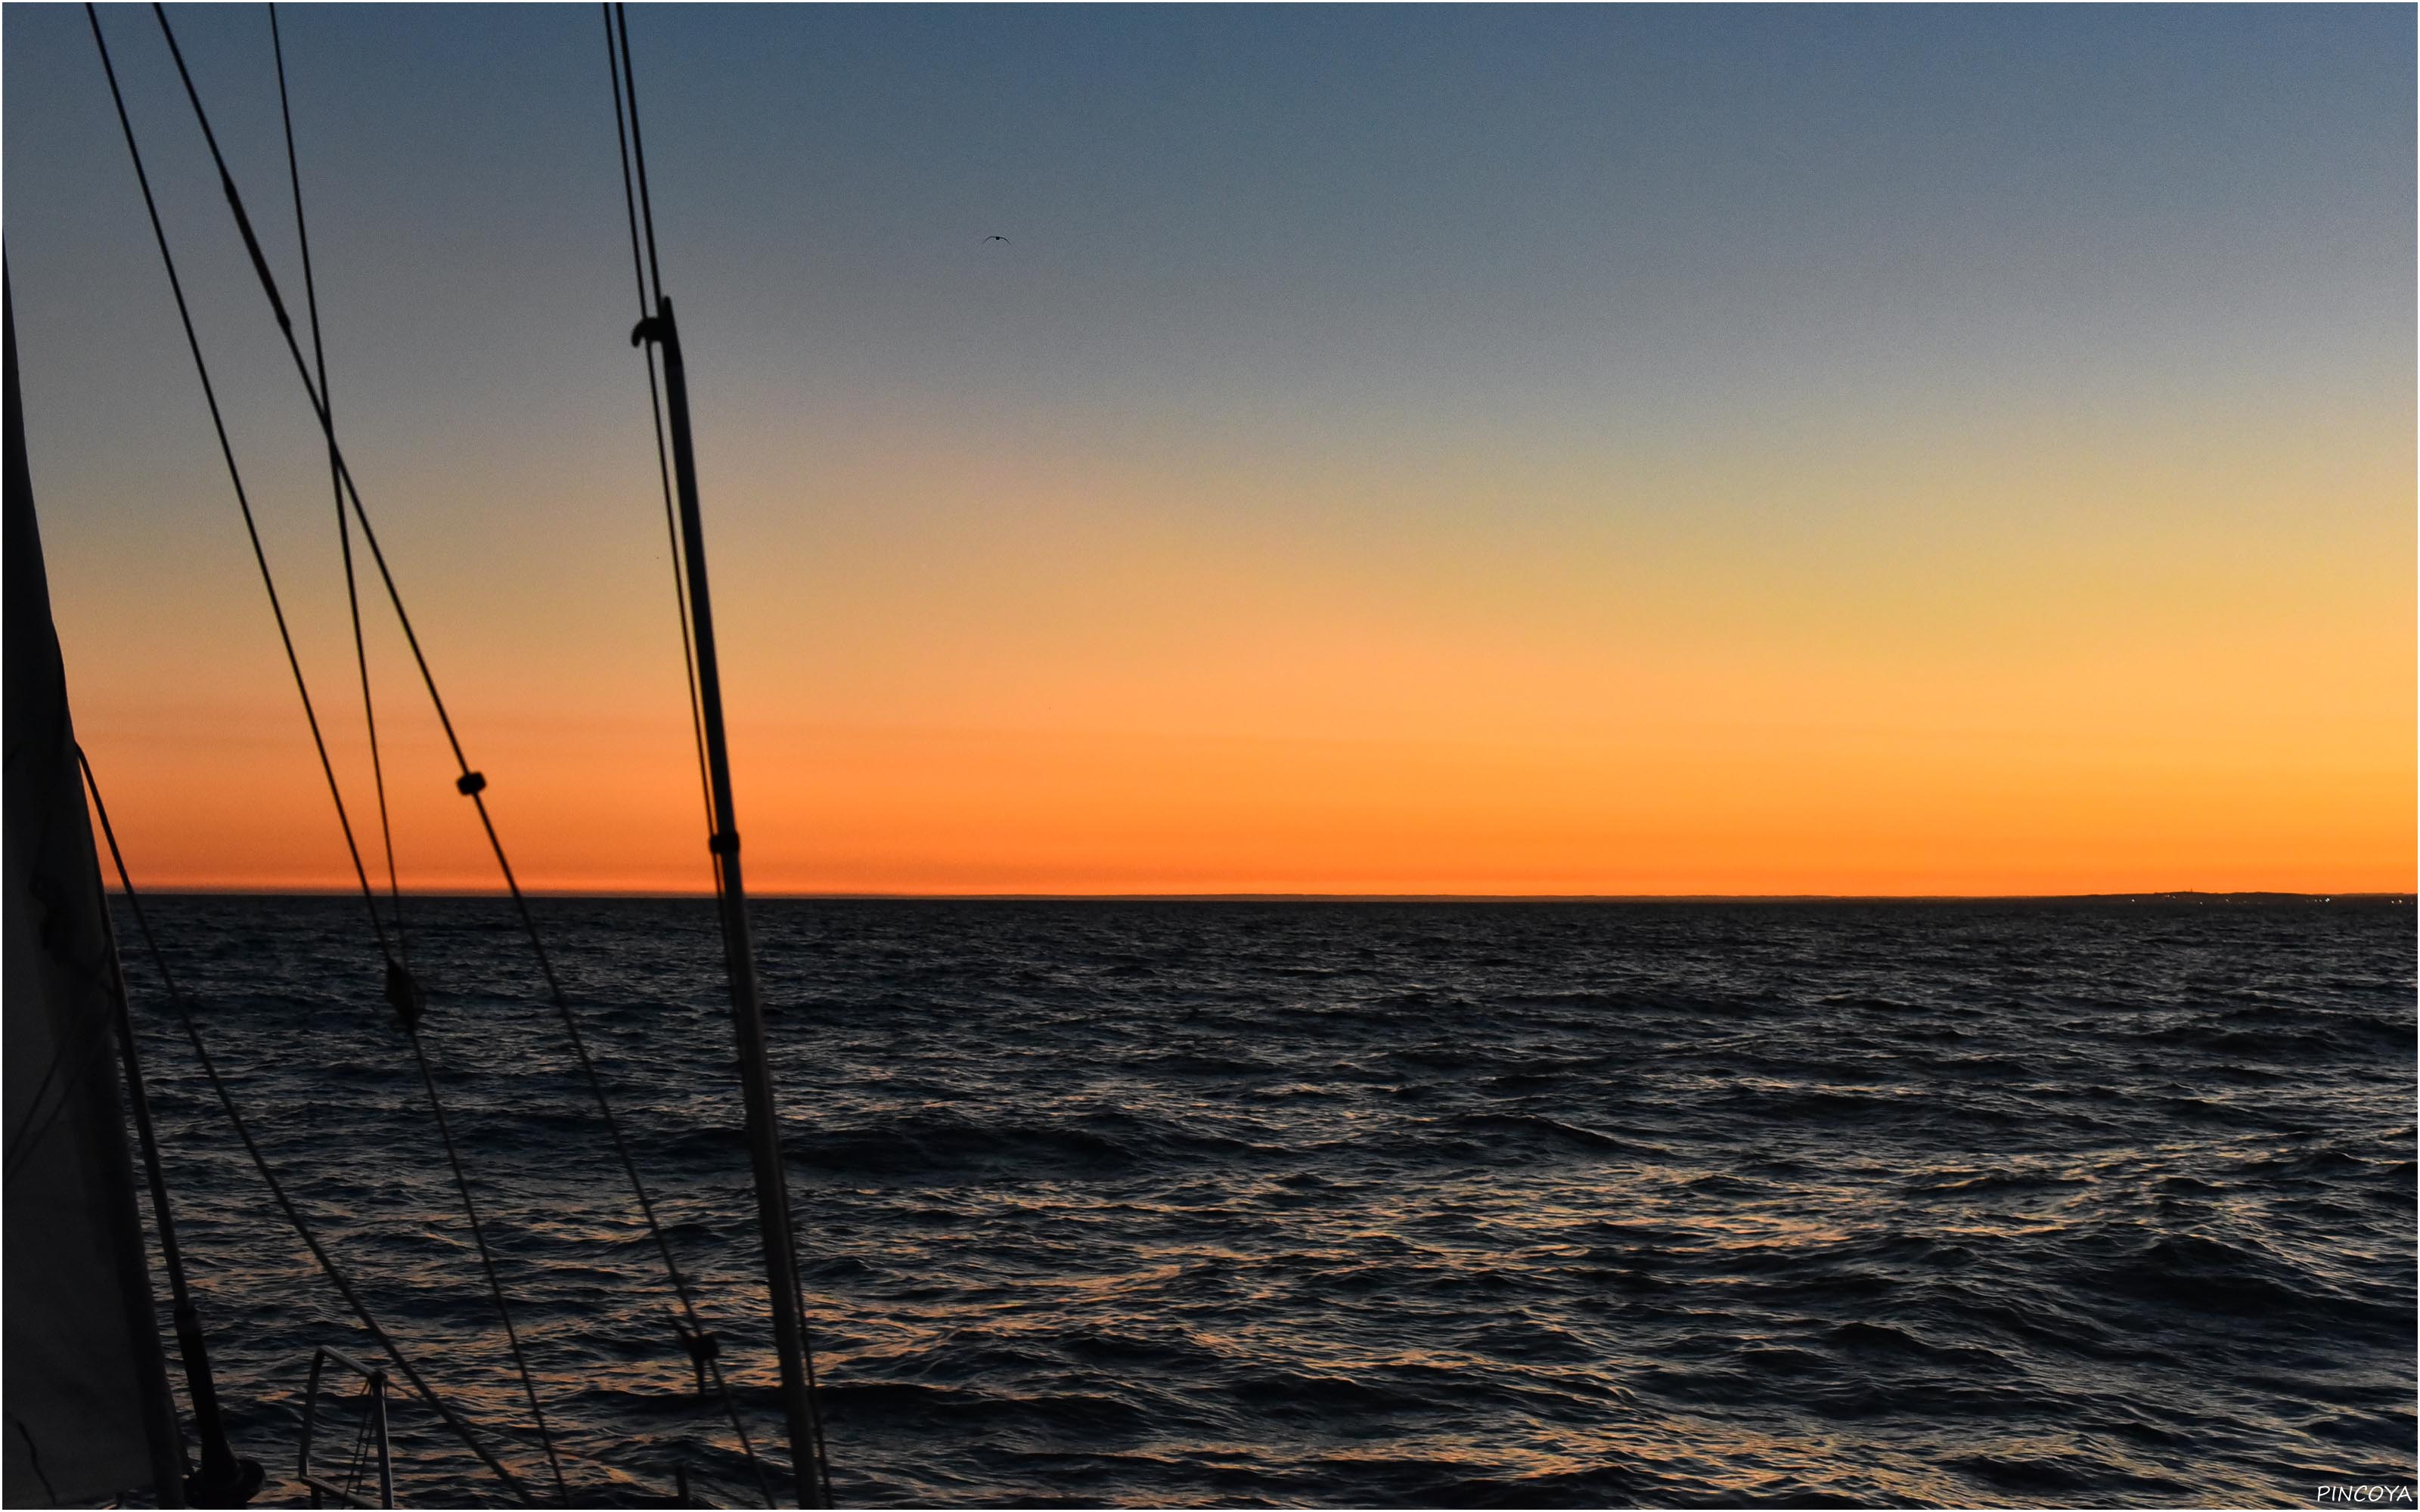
<point x="657" y="336"/>
<point x="813" y="1483"/>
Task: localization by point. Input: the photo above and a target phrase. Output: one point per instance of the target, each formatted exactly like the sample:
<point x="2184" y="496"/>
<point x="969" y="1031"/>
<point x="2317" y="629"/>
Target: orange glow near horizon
<point x="1932" y="451"/>
<point x="1070" y="702"/>
<point x="903" y="813"/>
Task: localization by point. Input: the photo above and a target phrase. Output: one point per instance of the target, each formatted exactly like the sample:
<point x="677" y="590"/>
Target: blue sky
<point x="1871" y="327"/>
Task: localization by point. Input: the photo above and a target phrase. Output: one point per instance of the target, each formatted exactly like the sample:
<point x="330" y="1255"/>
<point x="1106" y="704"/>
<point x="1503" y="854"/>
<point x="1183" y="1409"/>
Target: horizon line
<point x="657" y="895"/>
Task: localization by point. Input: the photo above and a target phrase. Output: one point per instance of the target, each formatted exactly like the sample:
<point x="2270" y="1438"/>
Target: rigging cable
<point x="655" y="405"/>
<point x="689" y="658"/>
<point x="470" y="783"/>
<point x="344" y="529"/>
<point x="276" y="1188"/>
<point x="628" y="81"/>
<point x="401" y="991"/>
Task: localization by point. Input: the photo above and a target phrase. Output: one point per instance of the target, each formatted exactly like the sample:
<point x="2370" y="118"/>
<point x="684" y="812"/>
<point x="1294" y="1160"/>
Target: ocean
<point x="1345" y="1204"/>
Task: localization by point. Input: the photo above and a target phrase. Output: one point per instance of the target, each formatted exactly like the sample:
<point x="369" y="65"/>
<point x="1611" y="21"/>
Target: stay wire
<point x="386" y="833"/>
<point x="269" y="582"/>
<point x="639" y="154"/>
<point x="344" y="529"/>
<point x="469" y="782"/>
<point x="301" y="1228"/>
<point x="243" y="500"/>
<point x="301" y="366"/>
<point x="629" y="85"/>
<point x="680" y="599"/>
<point x="656" y="408"/>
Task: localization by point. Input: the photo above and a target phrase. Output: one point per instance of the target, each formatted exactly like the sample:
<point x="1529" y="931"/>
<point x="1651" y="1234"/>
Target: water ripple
<point x="1367" y="1205"/>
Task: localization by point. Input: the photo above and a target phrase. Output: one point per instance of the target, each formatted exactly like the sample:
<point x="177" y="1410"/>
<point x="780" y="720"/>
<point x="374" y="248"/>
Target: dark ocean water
<point x="1357" y="1204"/>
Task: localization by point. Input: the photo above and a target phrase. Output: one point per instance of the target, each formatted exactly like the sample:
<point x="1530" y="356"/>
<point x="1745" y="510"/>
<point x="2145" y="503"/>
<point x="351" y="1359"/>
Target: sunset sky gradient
<point x="1575" y="450"/>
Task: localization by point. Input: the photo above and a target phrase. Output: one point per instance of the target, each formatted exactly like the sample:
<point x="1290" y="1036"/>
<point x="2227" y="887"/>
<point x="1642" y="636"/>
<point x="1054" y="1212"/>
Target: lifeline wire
<point x="369" y="901"/>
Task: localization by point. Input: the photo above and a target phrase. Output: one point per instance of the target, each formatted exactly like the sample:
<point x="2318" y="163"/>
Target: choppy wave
<point x="1366" y="1205"/>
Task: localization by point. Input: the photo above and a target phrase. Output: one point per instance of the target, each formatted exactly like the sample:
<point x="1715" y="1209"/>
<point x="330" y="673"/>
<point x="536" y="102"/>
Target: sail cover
<point x="83" y="1387"/>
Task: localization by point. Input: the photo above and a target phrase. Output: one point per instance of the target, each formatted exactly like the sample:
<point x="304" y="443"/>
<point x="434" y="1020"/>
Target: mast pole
<point x="740" y="953"/>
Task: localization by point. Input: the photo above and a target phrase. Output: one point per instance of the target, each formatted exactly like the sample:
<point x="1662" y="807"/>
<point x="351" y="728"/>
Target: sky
<point x="1397" y="450"/>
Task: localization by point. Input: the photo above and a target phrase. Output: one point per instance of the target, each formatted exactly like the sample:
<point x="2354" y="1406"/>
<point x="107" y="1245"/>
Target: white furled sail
<point x="83" y="1385"/>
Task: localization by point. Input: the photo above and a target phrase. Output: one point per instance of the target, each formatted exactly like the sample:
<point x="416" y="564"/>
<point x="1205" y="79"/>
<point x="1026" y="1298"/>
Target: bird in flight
<point x="994" y="239"/>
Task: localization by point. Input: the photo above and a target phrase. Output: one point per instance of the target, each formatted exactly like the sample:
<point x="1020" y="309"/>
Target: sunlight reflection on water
<point x="1564" y="1204"/>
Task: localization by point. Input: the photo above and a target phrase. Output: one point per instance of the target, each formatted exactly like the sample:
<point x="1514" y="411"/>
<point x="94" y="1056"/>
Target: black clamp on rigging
<point x="470" y="784"/>
<point x="724" y="842"/>
<point x="404" y="995"/>
<point x="656" y="328"/>
<point x="702" y="1346"/>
